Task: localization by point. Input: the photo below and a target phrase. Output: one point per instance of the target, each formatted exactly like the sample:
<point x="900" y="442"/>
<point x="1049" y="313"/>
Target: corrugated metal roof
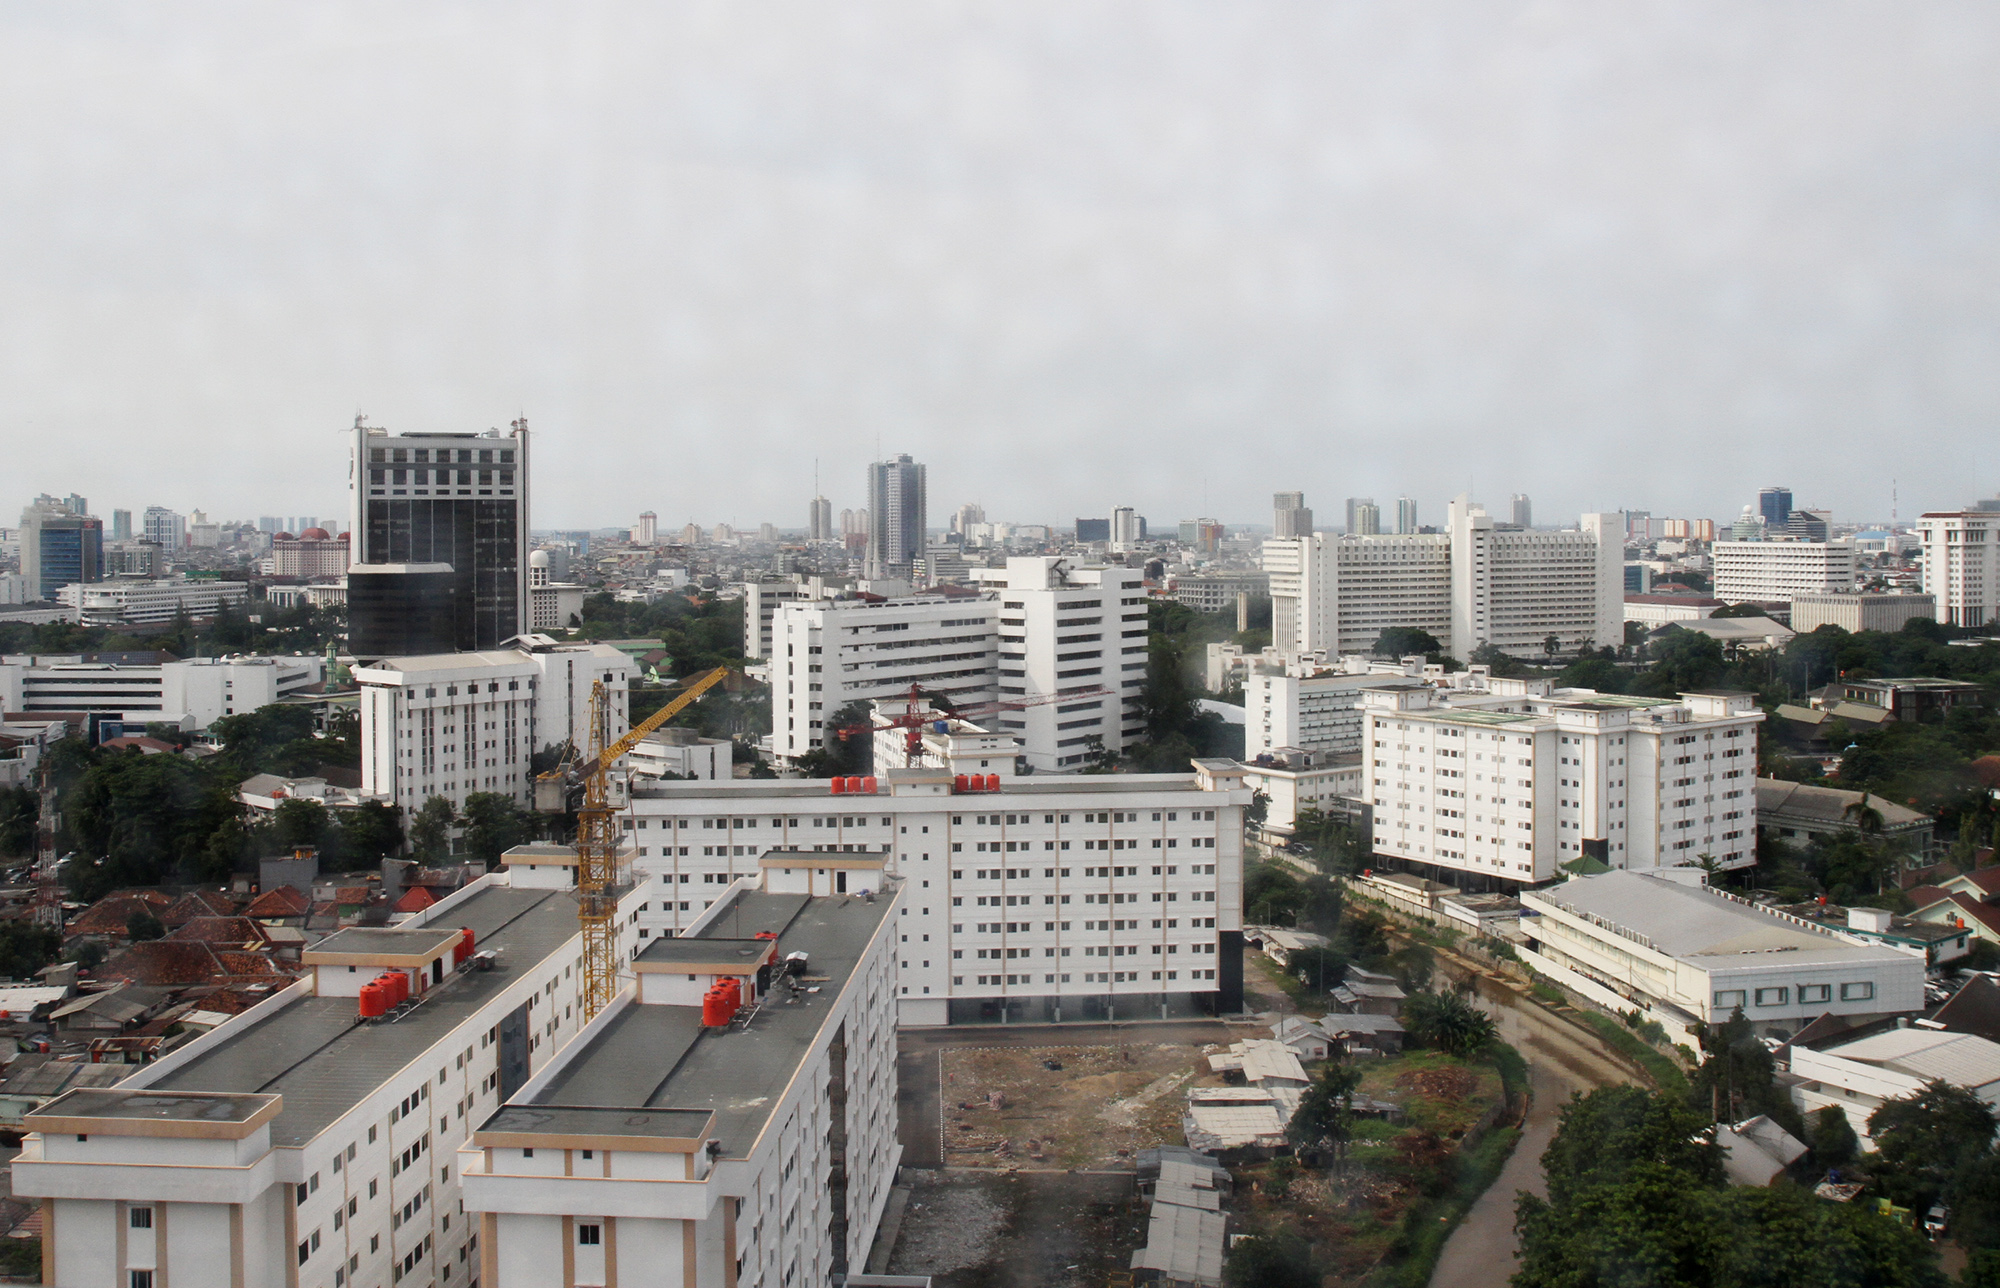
<point x="1958" y="1058"/>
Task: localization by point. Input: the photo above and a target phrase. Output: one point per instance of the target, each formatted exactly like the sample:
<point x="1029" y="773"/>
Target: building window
<point x="588" y="1234"/>
<point x="1815" y="992"/>
<point x="1729" y="998"/>
<point x="1773" y="996"/>
<point x="1861" y="992"/>
<point x="139" y="1278"/>
<point x="142" y="1218"/>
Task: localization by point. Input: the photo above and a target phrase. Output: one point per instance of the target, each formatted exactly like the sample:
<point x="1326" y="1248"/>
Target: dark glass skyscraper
<point x="1775" y="504"/>
<point x="898" y="514"/>
<point x="457" y="499"/>
<point x="60" y="546"/>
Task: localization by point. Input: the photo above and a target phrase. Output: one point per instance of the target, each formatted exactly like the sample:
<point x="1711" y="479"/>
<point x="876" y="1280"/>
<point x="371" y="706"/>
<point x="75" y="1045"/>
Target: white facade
<point x="1124" y="529"/>
<point x="1294" y="780"/>
<point x="1054" y="896"/>
<point x="668" y="1177"/>
<point x="1962" y="565"/>
<point x="1860" y="1076"/>
<point x="760" y="609"/>
<point x="1775" y="571"/>
<point x="1689" y="955"/>
<point x="826" y="653"/>
<point x="452" y="724"/>
<point x="293" y="1145"/>
<point x="1521" y="779"/>
<point x="1859" y="611"/>
<point x="193" y="693"/>
<point x="681" y="752"/>
<point x="1073" y="634"/>
<point x="1317" y="713"/>
<point x="124" y="603"/>
<point x="1475" y="584"/>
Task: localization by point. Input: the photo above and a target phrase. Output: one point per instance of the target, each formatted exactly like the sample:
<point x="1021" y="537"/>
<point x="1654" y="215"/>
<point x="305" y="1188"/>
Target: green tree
<point x="1832" y="1138"/>
<point x="430" y="834"/>
<point x="1324" y="1120"/>
<point x="141" y="925"/>
<point x="372" y="831"/>
<point x="1926" y="1139"/>
<point x="1738" y="1078"/>
<point x="1447" y="1022"/>
<point x="1606" y="1137"/>
<point x="298" y="823"/>
<point x="1320" y="969"/>
<point x="1406" y="641"/>
<point x="25" y="948"/>
<point x="20" y="810"/>
<point x="1281" y="1260"/>
<point x="494" y="824"/>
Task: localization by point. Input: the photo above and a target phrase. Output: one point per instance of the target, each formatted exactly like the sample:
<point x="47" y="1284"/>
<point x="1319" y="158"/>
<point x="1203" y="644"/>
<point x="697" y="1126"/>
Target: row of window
<point x="1780" y="995"/>
<point x="1090" y="977"/>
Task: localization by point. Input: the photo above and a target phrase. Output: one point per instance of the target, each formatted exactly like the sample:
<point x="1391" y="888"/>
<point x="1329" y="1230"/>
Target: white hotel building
<point x="1481" y="582"/>
<point x="192" y="693"/>
<point x="1056" y="897"/>
<point x="1776" y="571"/>
<point x="1516" y="780"/>
<point x="1962" y="564"/>
<point x="451" y="724"/>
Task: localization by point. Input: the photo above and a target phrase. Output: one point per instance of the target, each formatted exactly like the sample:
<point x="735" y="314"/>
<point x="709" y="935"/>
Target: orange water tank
<point x="373" y="1003"/>
<point x="398" y="986"/>
<point x="840" y="787"/>
<point x="716" y="1010"/>
<point x="868" y="786"/>
<point x="992" y="782"/>
<point x="958" y="784"/>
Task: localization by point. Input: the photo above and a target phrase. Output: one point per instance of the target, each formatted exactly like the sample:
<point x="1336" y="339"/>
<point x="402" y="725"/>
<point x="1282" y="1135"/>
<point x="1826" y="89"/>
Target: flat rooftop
<point x="750" y="791"/>
<point x="596" y="1121"/>
<point x="666" y="952"/>
<point x="386" y="942"/>
<point x="139" y="1105"/>
<point x="1696" y="922"/>
<point x="660" y="1057"/>
<point x="323" y="1063"/>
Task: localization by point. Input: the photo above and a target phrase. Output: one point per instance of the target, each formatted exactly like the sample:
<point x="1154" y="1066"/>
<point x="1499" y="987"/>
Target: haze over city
<point x="1072" y="255"/>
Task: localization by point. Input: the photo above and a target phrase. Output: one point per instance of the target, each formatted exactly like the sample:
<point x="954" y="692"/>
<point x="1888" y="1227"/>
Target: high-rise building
<point x="1091" y="530"/>
<point x="819" y="520"/>
<point x="400" y="610"/>
<point x="647" y="530"/>
<point x="121" y="525"/>
<point x="899" y="514"/>
<point x="1354" y="504"/>
<point x="1290" y="516"/>
<point x="1961" y="564"/>
<point x="1524" y="511"/>
<point x="312" y="554"/>
<point x="59" y="547"/>
<point x="1367" y="519"/>
<point x="453" y="498"/>
<point x="1069" y="632"/>
<point x="77" y="505"/>
<point x="1774" y="505"/>
<point x="1127" y="529"/>
<point x="1774" y="571"/>
<point x="166" y="528"/>
<point x="966" y="515"/>
<point x="1406" y="516"/>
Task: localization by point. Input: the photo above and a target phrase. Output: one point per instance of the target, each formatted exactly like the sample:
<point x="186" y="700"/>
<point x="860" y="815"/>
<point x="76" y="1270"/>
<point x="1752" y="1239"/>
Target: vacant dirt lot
<point x="1031" y="1230"/>
<point x="1008" y="1107"/>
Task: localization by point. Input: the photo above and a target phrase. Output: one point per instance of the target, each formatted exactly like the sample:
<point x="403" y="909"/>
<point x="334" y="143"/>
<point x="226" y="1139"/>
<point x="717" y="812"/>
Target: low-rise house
<point x="198" y="903"/>
<point x="35" y="1078"/>
<point x="1280" y="944"/>
<point x="1957" y="911"/>
<point x="1936" y="942"/>
<point x="1973" y="1009"/>
<point x="1861" y="1074"/>
<point x="1756" y="1151"/>
<point x="105" y="921"/>
<point x="284" y="906"/>
<point x="1364" y="1033"/>
<point x="1370" y="993"/>
<point x="1262" y="1062"/>
<point x="1797" y="812"/>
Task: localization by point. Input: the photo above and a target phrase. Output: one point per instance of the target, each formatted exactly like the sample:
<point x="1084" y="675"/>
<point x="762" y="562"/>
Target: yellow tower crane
<point x="597" y="838"/>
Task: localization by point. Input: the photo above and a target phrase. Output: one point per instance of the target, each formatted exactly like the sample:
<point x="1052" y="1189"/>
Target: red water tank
<point x="854" y="786"/>
<point x="398" y="985"/>
<point x="992" y="782"/>
<point x="718" y="1007"/>
<point x="463" y="948"/>
<point x="840" y="787"/>
<point x="868" y="786"/>
<point x="958" y="784"/>
<point x="373" y="1004"/>
<point x="732" y="989"/>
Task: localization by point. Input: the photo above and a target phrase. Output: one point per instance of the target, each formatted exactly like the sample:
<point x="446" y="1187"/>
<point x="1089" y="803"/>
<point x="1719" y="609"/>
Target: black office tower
<point x="401" y="610"/>
<point x="456" y="499"/>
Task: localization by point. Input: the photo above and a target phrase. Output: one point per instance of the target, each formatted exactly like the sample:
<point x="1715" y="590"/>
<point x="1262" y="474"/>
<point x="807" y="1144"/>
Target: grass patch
<point x="1666" y="1075"/>
<point x="1413" y="1253"/>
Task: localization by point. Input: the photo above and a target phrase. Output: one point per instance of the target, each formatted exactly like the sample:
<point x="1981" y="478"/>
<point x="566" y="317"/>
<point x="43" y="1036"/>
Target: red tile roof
<point x="348" y="895"/>
<point x="162" y="961"/>
<point x="233" y="931"/>
<point x="197" y="903"/>
<point x="1924" y="896"/>
<point x="284" y="901"/>
<point x="1987" y="879"/>
<point x="415" y="899"/>
<point x="108" y="915"/>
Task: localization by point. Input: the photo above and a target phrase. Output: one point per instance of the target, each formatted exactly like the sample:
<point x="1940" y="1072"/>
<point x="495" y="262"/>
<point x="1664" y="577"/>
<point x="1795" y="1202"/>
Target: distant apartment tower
<point x="1127" y="529"/>
<point x="59" y="547"/>
<point x="647" y="530"/>
<point x="1406" y="516"/>
<point x="1775" y="571"/>
<point x="1291" y="517"/>
<point x="760" y="608"/>
<point x="819" y="520"/>
<point x="121" y="525"/>
<point x="1524" y="511"/>
<point x="898" y="511"/>
<point x="1092" y="530"/>
<point x="313" y="554"/>
<point x="1069" y="633"/>
<point x="451" y="498"/>
<point x="1962" y="564"/>
<point x="966" y="515"/>
<point x="1364" y="518"/>
<point x="1774" y="505"/>
<point x="166" y="528"/>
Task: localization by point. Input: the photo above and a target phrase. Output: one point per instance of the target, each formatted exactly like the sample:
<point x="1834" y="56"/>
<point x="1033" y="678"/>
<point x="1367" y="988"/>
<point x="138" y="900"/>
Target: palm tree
<point x="1865" y="817"/>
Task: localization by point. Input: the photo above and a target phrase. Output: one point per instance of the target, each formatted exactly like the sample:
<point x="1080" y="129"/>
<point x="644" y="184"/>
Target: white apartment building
<point x="1776" y="571"/>
<point x="1961" y="566"/>
<point x="658" y="1149"/>
<point x="1294" y="780"/>
<point x="681" y="752"/>
<point x="760" y="610"/>
<point x="1517" y="780"/>
<point x="300" y="1144"/>
<point x="1686" y="955"/>
<point x="1043" y="897"/>
<point x="451" y="724"/>
<point x="1859" y="611"/>
<point x="826" y="653"/>
<point x="552" y="605"/>
<point x="1859" y="1076"/>
<point x="1073" y="643"/>
<point x="133" y="603"/>
<point x="192" y="693"/>
<point x="1477" y="583"/>
<point x="1318" y="713"/>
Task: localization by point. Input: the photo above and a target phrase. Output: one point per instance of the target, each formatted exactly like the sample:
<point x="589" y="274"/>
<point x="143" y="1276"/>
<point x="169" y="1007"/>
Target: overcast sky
<point x="1072" y="255"/>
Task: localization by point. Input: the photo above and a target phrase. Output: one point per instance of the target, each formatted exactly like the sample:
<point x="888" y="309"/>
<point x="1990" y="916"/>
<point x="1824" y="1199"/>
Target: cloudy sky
<point x="1073" y="255"/>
